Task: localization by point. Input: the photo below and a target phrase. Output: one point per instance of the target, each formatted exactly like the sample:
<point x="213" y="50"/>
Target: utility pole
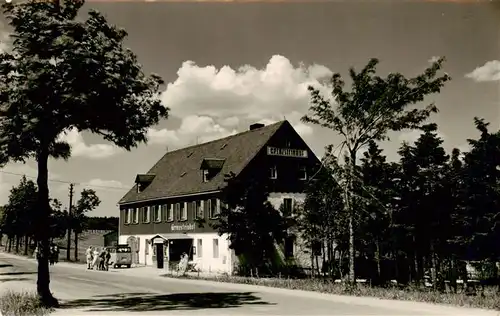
<point x="70" y="220"/>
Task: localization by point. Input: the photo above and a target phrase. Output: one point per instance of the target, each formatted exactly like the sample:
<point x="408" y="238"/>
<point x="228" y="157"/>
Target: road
<point x="119" y="292"/>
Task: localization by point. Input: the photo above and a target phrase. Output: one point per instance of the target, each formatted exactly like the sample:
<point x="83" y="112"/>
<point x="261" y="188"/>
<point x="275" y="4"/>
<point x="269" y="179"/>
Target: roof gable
<point x="178" y="172"/>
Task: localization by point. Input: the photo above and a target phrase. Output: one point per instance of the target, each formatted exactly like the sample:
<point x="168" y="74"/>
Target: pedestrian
<point x="102" y="259"/>
<point x="108" y="257"/>
<point x="51" y="254"/>
<point x="56" y="254"/>
<point x="88" y="254"/>
<point x="95" y="262"/>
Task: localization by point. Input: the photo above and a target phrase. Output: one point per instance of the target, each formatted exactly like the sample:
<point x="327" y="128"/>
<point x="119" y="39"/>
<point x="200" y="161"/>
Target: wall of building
<point x="205" y="260"/>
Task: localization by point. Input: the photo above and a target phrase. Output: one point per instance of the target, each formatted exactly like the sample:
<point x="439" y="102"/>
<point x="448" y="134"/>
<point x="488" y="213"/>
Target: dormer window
<point x="205" y="174"/>
<point x="273" y="172"/>
<point x="142" y="181"/>
<point x="210" y="167"/>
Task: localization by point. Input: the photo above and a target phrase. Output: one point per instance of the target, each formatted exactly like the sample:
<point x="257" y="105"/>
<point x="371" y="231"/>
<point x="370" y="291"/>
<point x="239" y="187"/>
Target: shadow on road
<point x="17" y="273"/>
<point x="14" y="279"/>
<point x="141" y="302"/>
<point x="5" y="265"/>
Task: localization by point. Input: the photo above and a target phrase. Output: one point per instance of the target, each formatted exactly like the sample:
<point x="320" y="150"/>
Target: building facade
<point x="159" y="216"/>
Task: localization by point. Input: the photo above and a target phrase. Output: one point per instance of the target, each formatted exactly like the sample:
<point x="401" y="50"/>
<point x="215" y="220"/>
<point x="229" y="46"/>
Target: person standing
<point x="107" y="258"/>
<point x="95" y="263"/>
<point x="88" y="254"/>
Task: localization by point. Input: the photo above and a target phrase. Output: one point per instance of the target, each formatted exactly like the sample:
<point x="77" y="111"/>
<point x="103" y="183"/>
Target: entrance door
<point x="159" y="256"/>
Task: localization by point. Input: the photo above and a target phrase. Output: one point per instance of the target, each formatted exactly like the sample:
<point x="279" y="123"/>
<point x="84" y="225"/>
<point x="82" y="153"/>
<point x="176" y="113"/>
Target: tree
<point x="21" y="209"/>
<point x="378" y="192"/>
<point x="250" y="220"/>
<point x="88" y="202"/>
<point x="61" y="74"/>
<point x="320" y="220"/>
<point x="373" y="107"/>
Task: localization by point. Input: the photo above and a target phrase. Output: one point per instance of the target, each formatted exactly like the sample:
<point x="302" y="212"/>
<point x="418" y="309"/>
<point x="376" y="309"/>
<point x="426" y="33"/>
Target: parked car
<point x="121" y="255"/>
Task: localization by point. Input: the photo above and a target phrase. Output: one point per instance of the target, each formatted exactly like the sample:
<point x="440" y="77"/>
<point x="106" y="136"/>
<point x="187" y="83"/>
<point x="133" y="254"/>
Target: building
<point x="157" y="216"/>
<point x="110" y="238"/>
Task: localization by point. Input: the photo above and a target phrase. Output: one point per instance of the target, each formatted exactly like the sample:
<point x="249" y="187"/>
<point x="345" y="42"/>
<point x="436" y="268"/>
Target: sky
<point x="227" y="65"/>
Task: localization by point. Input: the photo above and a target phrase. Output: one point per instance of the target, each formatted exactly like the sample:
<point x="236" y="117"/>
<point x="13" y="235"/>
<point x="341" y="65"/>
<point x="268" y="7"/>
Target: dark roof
<point x="178" y="172"/>
<point x="141" y="178"/>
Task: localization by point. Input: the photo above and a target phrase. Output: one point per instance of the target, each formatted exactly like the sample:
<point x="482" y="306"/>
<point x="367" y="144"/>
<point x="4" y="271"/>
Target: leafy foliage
<point x="64" y="73"/>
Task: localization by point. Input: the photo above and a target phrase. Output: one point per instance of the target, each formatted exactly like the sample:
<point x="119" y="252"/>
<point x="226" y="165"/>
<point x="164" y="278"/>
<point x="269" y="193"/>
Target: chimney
<point x="256" y="125"/>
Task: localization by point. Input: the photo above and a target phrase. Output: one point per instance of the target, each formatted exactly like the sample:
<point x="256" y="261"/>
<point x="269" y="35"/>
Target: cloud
<point x="216" y="100"/>
<point x="80" y="149"/>
<point x="490" y="71"/>
<point x="105" y="183"/>
<point x="194" y="129"/>
<point x="413" y="135"/>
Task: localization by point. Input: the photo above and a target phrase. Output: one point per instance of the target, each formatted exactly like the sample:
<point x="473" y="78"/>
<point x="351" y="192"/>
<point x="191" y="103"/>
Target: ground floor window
<point x="199" y="248"/>
<point x="216" y="248"/>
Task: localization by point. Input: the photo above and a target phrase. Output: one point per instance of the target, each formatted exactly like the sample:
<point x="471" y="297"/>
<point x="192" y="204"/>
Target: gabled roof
<point x="178" y="172"/>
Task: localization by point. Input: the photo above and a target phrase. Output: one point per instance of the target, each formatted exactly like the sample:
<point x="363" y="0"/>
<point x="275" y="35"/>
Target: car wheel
<point x="128" y="266"/>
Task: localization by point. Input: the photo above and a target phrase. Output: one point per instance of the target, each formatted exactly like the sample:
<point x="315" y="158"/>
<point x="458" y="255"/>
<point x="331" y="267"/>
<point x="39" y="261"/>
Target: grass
<point x="22" y="303"/>
<point x="489" y="300"/>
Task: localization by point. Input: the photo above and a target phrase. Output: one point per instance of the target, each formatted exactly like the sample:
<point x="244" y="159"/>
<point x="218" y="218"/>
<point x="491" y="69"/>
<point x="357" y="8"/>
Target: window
<point x="177" y="211"/>
<point x="199" y="248"/>
<point x="287" y="206"/>
<point x="145" y="214"/>
<point x="191" y="209"/>
<point x="199" y="210"/>
<point x="165" y="211"/>
<point x="157" y="213"/>
<point x="205" y="175"/>
<point x="303" y="173"/>
<point x="127" y="214"/>
<point x="211" y="207"/>
<point x="289" y="241"/>
<point x="184" y="213"/>
<point x="216" y="248"/>
<point x="273" y="172"/>
<point x="170" y="212"/>
<point x="135" y="215"/>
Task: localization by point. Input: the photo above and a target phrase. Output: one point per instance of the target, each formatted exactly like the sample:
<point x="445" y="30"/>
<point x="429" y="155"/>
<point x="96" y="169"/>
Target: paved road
<point x="99" y="292"/>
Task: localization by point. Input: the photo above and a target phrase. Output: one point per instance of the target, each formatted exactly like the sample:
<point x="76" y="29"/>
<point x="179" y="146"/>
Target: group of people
<point x="53" y="254"/>
<point x="97" y="259"/>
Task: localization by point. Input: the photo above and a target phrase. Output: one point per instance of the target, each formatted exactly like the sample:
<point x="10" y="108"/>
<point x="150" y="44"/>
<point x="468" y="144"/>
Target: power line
<point x="67" y="182"/>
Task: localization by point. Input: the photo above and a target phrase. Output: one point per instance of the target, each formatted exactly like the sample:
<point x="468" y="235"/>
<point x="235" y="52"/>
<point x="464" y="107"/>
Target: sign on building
<point x="286" y="152"/>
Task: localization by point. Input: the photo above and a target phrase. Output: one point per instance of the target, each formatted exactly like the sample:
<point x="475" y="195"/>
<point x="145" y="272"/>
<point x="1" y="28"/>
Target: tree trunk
<point x="10" y="244"/>
<point x="43" y="214"/>
<point x="350" y="210"/>
<point x="76" y="246"/>
<point x="377" y="260"/>
<point x="18" y="241"/>
<point x="68" y="241"/>
<point x="434" y="271"/>
<point x="26" y="245"/>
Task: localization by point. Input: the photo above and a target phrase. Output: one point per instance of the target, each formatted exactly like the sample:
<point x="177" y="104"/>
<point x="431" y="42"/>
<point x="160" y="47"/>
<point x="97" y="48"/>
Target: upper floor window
<point x="211" y="208"/>
<point x="164" y="208"/>
<point x="145" y="214"/>
<point x="135" y="215"/>
<point x="183" y="211"/>
<point x="177" y="211"/>
<point x="303" y="173"/>
<point x="156" y="213"/>
<point x="273" y="172"/>
<point x="199" y="210"/>
<point x="127" y="214"/>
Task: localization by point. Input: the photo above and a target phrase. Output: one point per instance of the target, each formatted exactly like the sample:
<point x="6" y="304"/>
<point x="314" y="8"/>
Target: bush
<point x="22" y="303"/>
